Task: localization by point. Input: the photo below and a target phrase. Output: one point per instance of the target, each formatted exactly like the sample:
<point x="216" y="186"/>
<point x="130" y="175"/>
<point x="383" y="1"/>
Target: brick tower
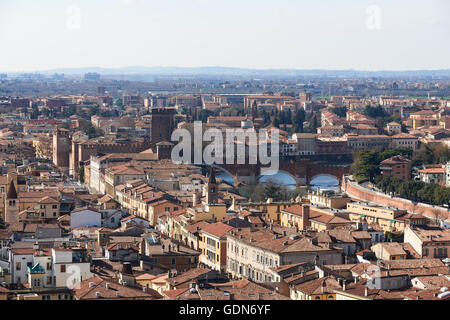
<point x="61" y="148"/>
<point x="162" y="124"/>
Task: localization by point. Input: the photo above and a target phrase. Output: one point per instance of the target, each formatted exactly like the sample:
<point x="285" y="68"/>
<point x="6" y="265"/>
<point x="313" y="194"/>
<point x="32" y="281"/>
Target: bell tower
<point x="211" y="188"/>
<point x="11" y="204"/>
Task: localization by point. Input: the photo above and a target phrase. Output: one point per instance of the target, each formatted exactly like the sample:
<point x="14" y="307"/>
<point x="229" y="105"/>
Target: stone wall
<point x="354" y="190"/>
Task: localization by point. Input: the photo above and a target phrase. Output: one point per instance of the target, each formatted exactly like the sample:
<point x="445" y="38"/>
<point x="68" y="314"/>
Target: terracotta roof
<point x="217" y="229"/>
<point x="146" y="276"/>
<point x="189" y="275"/>
<point x="318" y="286"/>
<point x="196" y="226"/>
<point x="98" y="290"/>
<point x="171" y="294"/>
<point x="265" y="238"/>
<point x="433" y="171"/>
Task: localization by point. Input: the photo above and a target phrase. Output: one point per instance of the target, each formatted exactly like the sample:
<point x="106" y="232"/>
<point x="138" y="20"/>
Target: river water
<point x="324" y="182"/>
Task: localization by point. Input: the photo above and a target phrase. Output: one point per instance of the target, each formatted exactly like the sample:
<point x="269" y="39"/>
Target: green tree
<point x="299" y="118"/>
<point x="340" y="111"/>
<point x="272" y="190"/>
<point x="375" y="112"/>
<point x="81" y="174"/>
<point x="46" y="112"/>
<point x="366" y="165"/>
<point x="92" y="132"/>
<point x="314" y="124"/>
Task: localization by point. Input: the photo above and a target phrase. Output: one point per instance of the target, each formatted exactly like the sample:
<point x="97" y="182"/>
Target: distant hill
<point x="215" y="71"/>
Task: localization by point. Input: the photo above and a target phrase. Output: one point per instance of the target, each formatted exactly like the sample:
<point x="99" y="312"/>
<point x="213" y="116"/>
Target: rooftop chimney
<point x="305" y="219"/>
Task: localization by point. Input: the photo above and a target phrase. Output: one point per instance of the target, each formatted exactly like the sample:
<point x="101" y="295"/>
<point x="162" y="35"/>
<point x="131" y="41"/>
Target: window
<point x="55" y="206"/>
<point x="18" y="266"/>
<point x="49" y="280"/>
<point x="63" y="268"/>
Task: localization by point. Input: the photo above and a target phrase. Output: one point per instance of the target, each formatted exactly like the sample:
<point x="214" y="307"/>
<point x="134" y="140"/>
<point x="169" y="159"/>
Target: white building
<point x="62" y="267"/>
<point x="85" y="218"/>
<point x="447" y="173"/>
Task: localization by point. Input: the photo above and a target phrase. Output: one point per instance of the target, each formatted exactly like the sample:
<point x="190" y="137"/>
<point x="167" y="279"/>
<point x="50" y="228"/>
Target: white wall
<point x="85" y="218"/>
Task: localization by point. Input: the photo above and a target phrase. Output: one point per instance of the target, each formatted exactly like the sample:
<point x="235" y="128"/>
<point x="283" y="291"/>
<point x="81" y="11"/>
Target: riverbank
<point x="359" y="192"/>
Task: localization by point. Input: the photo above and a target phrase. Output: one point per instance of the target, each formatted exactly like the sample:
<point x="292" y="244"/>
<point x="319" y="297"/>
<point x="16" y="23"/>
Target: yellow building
<point x="329" y="200"/>
<point x="43" y="147"/>
<point x="145" y="280"/>
<point x="389" y="219"/>
<point x="389" y="251"/>
<point x="317" y="289"/>
<point x="143" y="201"/>
<point x="213" y="245"/>
<point x="206" y="212"/>
<point x="307" y="217"/>
<point x="271" y="210"/>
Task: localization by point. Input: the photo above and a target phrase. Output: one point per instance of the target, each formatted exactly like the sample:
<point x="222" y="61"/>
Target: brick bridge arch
<point x="303" y="170"/>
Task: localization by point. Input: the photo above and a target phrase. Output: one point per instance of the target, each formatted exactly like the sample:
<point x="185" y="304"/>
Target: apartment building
<point x="357" y="143"/>
<point x="429" y="242"/>
<point x="433" y="175"/>
<point x="390" y="219"/>
<point x="306" y="217"/>
<point x="213" y="245"/>
<point x="397" y="167"/>
<point x="328" y="199"/>
<point x="253" y="253"/>
<point x="143" y="201"/>
<point x="58" y="267"/>
<point x="405" y="140"/>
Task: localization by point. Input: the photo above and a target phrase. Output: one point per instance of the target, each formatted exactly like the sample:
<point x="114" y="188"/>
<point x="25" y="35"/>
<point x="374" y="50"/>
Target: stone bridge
<point x="302" y="170"/>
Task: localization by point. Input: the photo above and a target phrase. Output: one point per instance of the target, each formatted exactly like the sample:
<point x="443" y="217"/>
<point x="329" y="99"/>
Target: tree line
<point x="417" y="191"/>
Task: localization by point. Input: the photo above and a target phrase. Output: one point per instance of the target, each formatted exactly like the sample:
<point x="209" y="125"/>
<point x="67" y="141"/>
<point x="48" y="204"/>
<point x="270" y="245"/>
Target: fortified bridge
<point x="302" y="170"/>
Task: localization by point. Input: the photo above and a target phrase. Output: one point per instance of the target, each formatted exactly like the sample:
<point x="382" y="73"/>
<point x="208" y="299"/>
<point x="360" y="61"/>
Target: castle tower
<point x="61" y="148"/>
<point x="11" y="204"/>
<point x="254" y="111"/>
<point x="164" y="150"/>
<point x="211" y="188"/>
<point x="162" y="124"/>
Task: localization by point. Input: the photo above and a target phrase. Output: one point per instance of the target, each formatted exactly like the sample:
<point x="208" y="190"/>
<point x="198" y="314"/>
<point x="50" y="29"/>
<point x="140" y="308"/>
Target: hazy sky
<point x="320" y="34"/>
